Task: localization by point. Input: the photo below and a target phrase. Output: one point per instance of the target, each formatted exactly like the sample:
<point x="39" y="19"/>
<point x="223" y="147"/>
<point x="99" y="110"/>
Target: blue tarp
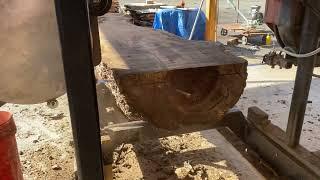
<point x="180" y="22"/>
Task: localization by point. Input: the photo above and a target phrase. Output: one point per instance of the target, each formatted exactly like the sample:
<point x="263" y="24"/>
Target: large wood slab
<point x="165" y="77"/>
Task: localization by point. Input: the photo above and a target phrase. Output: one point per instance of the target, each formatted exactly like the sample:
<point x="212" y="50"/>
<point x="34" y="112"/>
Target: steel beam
<point x="269" y="141"/>
<point x="74" y="29"/>
<point x="309" y="42"/>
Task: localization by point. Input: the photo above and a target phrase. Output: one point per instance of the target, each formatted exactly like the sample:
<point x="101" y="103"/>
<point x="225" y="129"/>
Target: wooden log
<point x="170" y="80"/>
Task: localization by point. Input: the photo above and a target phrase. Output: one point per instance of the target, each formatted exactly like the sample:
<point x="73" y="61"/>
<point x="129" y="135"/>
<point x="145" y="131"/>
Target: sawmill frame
<point x="279" y="149"/>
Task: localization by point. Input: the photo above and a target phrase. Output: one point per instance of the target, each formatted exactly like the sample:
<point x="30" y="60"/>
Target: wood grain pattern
<point x="170" y="80"/>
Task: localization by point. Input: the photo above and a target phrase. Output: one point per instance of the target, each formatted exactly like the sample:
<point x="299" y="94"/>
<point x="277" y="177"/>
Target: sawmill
<point x="165" y="85"/>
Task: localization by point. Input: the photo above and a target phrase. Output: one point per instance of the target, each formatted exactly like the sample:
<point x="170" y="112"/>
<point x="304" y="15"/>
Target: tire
<point x="224" y="32"/>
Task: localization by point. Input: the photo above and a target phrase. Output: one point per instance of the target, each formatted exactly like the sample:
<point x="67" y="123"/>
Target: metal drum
<point x="31" y="69"/>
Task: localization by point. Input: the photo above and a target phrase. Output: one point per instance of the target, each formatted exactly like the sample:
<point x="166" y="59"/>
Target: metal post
<point x="238" y="11"/>
<point x="211" y="20"/>
<point x="96" y="49"/>
<point x="76" y="47"/>
<point x="309" y="42"/>
<point x="196" y="20"/>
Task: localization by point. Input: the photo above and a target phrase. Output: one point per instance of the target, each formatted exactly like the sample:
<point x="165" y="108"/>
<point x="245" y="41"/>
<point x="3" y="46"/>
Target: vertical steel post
<point x="74" y="29"/>
<point x="309" y="42"/>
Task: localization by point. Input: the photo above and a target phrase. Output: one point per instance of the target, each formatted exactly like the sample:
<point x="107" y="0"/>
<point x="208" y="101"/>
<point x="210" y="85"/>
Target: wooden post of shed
<point x="211" y="20"/>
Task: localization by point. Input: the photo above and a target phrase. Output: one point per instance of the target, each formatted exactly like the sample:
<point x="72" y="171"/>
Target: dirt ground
<point x="44" y="135"/>
<point x="44" y="140"/>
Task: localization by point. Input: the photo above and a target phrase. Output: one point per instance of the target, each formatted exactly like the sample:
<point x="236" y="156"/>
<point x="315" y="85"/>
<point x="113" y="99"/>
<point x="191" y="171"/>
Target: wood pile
<point x="142" y="17"/>
<point x="142" y="14"/>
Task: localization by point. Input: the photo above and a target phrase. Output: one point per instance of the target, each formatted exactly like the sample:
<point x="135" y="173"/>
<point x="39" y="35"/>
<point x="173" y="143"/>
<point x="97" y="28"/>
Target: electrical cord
<point x="301" y="55"/>
<point x="290" y="53"/>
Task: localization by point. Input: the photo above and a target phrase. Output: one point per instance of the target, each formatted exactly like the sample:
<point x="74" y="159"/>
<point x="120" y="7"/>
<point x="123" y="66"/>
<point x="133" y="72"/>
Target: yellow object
<point x="212" y="19"/>
<point x="268" y="40"/>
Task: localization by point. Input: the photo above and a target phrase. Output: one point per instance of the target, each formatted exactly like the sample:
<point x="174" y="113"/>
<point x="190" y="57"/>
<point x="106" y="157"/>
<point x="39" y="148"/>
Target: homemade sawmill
<point x="178" y="86"/>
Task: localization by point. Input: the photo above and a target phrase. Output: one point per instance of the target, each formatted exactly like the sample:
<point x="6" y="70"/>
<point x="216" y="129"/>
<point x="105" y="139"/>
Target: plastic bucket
<point x="10" y="168"/>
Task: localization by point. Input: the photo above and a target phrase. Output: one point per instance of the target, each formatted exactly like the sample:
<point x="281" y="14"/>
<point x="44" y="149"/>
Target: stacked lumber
<point x="142" y="14"/>
<point x="142" y="17"/>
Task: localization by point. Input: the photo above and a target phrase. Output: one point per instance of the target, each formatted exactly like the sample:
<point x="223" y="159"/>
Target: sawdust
<point x="44" y="140"/>
<point x="187" y="156"/>
<point x="47" y="162"/>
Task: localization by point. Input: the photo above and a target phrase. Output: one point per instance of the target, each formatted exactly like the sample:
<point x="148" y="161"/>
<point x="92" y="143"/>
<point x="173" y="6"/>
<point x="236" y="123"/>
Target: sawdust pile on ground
<point x="176" y="157"/>
<point x="48" y="162"/>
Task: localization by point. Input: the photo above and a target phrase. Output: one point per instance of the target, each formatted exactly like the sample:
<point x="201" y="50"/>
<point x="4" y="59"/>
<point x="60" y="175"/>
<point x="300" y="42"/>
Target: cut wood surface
<point x="167" y="79"/>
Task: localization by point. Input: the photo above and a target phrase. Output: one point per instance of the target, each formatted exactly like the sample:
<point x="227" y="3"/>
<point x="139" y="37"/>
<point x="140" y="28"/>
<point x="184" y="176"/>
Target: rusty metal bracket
<point x="270" y="142"/>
